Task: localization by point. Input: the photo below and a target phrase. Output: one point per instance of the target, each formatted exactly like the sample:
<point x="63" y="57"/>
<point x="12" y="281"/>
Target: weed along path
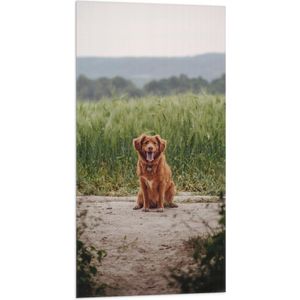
<point x="142" y="247"/>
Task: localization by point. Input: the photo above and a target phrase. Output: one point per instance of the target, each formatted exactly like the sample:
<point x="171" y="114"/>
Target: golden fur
<point x="156" y="184"/>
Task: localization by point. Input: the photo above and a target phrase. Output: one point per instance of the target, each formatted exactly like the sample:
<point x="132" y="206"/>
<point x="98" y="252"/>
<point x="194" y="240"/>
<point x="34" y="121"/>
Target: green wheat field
<point x="194" y="127"/>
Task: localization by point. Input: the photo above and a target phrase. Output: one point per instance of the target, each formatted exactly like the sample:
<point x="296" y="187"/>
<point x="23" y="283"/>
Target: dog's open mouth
<point x="149" y="156"/>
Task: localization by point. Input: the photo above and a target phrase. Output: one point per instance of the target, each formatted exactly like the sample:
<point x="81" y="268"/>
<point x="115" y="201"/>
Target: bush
<point x="209" y="254"/>
<point x="87" y="270"/>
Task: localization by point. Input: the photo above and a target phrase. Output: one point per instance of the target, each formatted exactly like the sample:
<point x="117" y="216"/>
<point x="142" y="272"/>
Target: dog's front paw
<point x="137" y="207"/>
<point x="145" y="209"/>
<point x="161" y="209"/>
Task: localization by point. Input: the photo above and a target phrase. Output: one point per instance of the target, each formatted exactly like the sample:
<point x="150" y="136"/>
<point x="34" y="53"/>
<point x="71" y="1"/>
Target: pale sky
<point x="122" y="29"/>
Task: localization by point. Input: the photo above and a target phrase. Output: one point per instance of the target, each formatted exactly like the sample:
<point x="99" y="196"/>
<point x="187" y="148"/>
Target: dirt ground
<point x="142" y="247"/>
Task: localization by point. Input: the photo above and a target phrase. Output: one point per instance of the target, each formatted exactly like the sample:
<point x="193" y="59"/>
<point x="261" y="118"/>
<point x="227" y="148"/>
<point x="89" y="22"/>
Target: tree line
<point x="96" y="89"/>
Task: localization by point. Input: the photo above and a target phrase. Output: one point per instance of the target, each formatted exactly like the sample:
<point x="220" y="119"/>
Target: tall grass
<point x="193" y="125"/>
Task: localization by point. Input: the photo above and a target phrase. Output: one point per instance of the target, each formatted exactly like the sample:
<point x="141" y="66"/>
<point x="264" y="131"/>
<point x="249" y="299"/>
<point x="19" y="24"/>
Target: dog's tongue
<point x="150" y="156"/>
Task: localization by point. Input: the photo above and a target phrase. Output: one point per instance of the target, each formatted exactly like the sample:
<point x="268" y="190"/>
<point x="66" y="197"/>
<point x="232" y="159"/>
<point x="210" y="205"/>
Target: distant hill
<point x="142" y="70"/>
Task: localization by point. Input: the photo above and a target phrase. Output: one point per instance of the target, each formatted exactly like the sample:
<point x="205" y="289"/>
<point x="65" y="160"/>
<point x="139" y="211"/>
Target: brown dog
<point x="156" y="184"/>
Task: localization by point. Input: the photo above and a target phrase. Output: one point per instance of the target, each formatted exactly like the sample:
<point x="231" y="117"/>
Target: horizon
<point x="141" y="69"/>
<point x="146" y="56"/>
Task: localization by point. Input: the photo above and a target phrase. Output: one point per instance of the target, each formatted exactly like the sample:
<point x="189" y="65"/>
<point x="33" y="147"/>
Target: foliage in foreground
<point x="209" y="254"/>
<point x="87" y="270"/>
<point x="193" y="125"/>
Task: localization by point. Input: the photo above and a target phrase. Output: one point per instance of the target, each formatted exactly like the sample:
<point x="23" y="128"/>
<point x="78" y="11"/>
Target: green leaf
<point x="101" y="254"/>
<point x="79" y="244"/>
<point x="93" y="270"/>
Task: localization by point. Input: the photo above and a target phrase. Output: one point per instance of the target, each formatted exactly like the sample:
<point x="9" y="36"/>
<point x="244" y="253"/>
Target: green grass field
<point x="193" y="125"/>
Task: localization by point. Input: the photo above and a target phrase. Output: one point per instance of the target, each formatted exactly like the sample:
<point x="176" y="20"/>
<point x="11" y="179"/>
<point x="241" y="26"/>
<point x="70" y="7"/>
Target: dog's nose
<point x="150" y="148"/>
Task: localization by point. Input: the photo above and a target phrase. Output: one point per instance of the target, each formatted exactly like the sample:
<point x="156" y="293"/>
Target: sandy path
<point x="142" y="247"/>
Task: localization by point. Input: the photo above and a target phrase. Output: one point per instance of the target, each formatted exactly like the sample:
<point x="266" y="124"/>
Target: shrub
<point x="209" y="254"/>
<point x="87" y="270"/>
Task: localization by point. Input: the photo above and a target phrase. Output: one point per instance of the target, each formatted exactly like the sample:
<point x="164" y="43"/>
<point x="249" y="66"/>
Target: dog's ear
<point x="161" y="142"/>
<point x="137" y="143"/>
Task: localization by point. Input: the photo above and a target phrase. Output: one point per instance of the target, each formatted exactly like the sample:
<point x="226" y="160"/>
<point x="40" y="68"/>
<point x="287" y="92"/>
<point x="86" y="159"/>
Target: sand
<point x="142" y="247"/>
